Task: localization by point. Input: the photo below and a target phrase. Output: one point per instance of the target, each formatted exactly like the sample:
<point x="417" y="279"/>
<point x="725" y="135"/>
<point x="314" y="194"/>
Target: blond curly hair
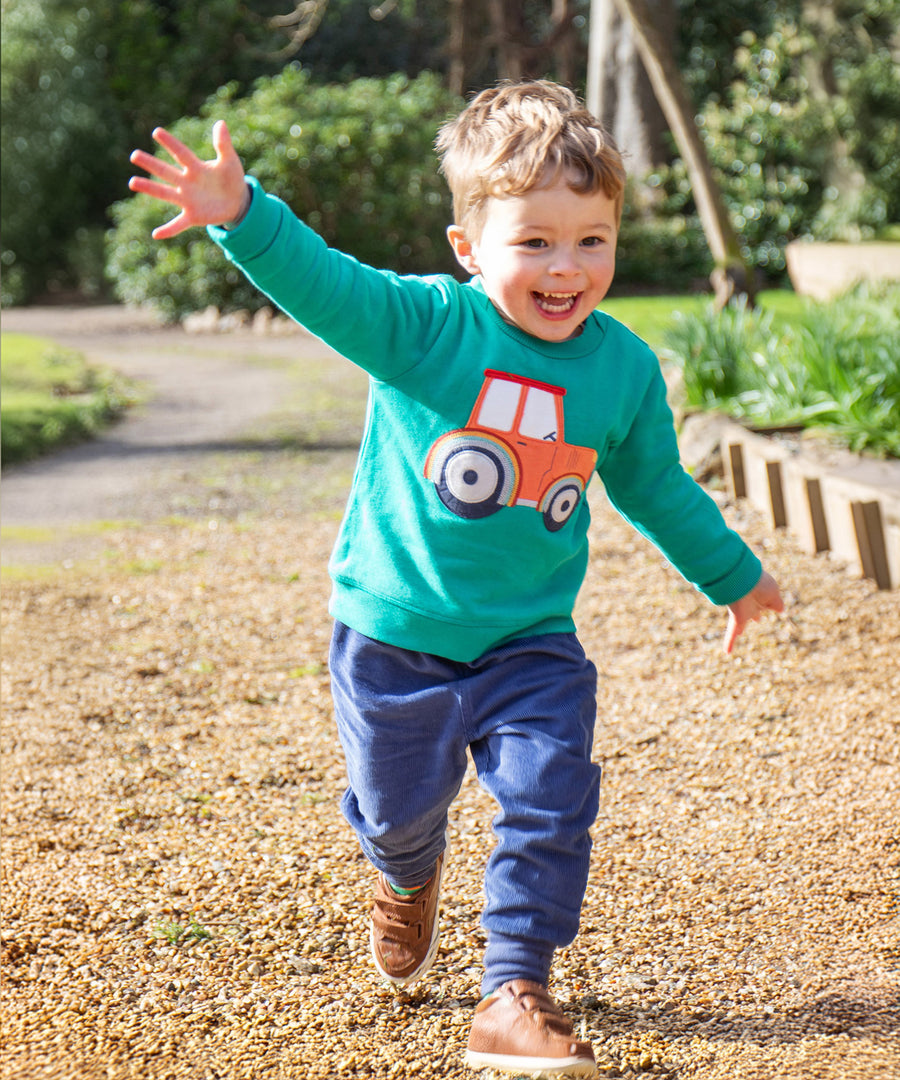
<point x="517" y="136"/>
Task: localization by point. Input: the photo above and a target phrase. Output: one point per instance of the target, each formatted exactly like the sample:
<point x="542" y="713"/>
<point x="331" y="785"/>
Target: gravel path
<point x="182" y="899"/>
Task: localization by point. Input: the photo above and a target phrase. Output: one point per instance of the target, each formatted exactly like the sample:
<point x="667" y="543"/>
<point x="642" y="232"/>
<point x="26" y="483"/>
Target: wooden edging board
<point x="834" y="502"/>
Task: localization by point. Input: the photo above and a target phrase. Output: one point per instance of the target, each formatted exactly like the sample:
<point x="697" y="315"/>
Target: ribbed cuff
<point x="245" y="207"/>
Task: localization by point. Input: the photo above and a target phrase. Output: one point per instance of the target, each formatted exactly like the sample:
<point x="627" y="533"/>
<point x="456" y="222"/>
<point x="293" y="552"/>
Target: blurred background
<point x="334" y="105"/>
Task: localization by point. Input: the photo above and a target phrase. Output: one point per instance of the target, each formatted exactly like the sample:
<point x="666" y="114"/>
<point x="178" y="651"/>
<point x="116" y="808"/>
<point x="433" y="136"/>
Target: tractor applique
<point x="511" y="453"/>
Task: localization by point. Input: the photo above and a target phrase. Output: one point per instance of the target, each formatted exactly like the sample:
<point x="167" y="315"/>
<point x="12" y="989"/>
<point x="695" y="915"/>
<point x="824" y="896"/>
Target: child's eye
<point x="534" y="242"/>
<point x="592" y="241"/>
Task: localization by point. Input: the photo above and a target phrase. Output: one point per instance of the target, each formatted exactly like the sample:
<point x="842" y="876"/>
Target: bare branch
<point x="382" y="10"/>
<point x="301" y="23"/>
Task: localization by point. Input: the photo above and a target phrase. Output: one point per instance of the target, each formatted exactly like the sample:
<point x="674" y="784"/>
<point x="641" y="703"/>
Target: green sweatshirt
<point x="466" y="525"/>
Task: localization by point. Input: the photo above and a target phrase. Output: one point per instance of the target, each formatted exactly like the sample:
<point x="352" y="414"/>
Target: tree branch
<point x="301" y="23"/>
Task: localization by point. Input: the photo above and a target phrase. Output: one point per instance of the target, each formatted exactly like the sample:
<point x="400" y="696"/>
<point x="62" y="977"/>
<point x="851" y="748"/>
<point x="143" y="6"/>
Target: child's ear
<point x="462" y="249"/>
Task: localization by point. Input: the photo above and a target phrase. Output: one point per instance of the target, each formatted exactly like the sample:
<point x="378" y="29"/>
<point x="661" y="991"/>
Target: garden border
<point x="831" y="500"/>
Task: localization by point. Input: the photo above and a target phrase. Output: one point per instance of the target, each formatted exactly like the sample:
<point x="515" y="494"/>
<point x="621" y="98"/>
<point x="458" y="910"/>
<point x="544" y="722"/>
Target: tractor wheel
<point x="561" y="504"/>
<point x="472" y="481"/>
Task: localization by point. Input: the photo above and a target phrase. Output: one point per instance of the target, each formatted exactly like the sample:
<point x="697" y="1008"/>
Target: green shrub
<point x="58" y="138"/>
<point x="799" y="107"/>
<point x="837" y="368"/>
<point x="81" y="85"/>
<point x="655" y="251"/>
<point x="769" y="143"/>
<point x="356" y="162"/>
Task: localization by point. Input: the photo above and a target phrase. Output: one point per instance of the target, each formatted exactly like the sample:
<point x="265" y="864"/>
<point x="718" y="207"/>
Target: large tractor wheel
<point x="474" y="480"/>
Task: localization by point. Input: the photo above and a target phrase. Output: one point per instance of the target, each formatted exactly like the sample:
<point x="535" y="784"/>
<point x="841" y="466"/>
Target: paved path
<point x="205" y="395"/>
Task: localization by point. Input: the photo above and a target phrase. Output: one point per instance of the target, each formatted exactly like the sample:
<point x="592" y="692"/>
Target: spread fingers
<point x="171" y="174"/>
<point x="166" y="192"/>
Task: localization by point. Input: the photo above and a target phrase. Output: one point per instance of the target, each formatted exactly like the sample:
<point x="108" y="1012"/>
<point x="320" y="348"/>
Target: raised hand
<point x="207" y="192"/>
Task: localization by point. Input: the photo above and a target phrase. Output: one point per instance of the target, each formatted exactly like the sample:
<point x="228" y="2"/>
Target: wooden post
<point x="870" y="540"/>
<point x="776" y="494"/>
<point x="817" y="517"/>
<point x="736" y="463"/>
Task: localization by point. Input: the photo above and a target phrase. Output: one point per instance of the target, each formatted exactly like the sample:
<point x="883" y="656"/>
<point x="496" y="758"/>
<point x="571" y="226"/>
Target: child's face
<point x="546" y="258"/>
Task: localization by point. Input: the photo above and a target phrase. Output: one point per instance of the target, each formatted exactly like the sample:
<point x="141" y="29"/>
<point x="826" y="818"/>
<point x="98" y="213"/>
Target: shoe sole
<point x="425" y="966"/>
<point x="532" y="1068"/>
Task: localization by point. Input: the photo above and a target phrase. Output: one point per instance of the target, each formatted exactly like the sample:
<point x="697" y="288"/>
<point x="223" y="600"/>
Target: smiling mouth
<point x="556" y="303"/>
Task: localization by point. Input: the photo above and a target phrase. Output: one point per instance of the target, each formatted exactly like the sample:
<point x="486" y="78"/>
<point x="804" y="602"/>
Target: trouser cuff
<point x="509" y="958"/>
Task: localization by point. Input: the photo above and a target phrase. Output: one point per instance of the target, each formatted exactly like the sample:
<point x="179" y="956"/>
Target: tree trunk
<point x="456" y="47"/>
<point x="508" y="38"/>
<point x="841" y="172"/>
<point x="619" y="91"/>
<point x="731" y="274"/>
<point x="566" y="49"/>
<point x="468" y="45"/>
<point x="519" y="56"/>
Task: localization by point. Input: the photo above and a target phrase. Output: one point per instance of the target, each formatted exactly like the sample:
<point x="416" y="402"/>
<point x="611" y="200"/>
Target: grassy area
<point x="651" y="317"/>
<point x="832" y="367"/>
<point x="52" y="396"/>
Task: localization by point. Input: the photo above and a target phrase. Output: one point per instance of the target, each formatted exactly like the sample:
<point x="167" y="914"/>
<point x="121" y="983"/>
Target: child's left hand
<point x="765" y="596"/>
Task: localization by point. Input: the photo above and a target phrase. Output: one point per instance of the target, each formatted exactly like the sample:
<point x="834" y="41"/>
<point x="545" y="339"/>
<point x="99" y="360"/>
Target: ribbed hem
<point x="403" y="628"/>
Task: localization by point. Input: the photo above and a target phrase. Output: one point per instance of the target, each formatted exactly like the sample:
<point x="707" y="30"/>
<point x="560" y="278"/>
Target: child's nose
<point x="564" y="263"/>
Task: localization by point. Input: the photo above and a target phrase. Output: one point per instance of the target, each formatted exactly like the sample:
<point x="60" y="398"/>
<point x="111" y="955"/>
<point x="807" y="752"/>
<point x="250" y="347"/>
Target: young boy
<point x="464" y="542"/>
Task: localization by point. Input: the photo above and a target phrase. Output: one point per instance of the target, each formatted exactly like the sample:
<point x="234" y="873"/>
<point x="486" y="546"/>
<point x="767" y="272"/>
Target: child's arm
<point x="207" y="192"/>
<point x="765" y="596"/>
<point x="332" y="294"/>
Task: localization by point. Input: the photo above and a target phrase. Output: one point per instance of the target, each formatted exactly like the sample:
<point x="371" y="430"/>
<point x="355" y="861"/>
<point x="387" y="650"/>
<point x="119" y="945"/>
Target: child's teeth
<point x="555" y="302"/>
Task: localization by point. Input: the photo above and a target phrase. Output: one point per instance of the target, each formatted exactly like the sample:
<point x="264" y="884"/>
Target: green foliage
<point x="656" y="250"/>
<point x="870" y="123"/>
<point x="51" y="396"/>
<point x="57" y="125"/>
<point x="801" y="122"/>
<point x="163" y="58"/>
<point x="356" y="162"/>
<point x="651" y="317"/>
<point x="82" y="84"/>
<point x="836" y="368"/>
<point x="769" y="144"/>
<point x="708" y="31"/>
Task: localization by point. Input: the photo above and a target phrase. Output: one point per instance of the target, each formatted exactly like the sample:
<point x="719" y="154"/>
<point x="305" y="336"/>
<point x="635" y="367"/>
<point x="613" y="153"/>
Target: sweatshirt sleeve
<point x="378" y="319"/>
<point x="647" y="484"/>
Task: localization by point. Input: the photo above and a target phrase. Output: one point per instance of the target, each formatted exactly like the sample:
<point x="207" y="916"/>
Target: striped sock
<point x="407" y="892"/>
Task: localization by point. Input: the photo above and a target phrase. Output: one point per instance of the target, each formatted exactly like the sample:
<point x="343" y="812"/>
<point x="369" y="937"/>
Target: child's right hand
<point x="207" y="192"/>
